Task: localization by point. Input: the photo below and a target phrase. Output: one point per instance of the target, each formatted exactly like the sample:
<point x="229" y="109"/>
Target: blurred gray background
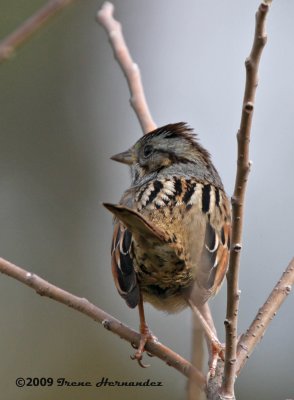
<point x="64" y="112"/>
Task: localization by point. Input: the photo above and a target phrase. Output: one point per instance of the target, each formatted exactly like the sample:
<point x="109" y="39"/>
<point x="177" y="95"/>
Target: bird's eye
<point x="148" y="150"/>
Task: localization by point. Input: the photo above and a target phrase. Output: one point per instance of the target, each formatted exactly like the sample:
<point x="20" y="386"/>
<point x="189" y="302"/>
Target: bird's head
<point x="166" y="146"/>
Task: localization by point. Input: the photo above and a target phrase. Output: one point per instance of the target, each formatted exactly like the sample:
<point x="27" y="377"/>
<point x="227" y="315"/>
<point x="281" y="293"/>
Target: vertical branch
<point x="129" y="68"/>
<point x="243" y="168"/>
<point x="194" y="392"/>
<point x="29" y="27"/>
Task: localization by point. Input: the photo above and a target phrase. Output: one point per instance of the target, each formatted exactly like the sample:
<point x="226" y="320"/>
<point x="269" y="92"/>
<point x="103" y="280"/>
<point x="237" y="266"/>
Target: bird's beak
<point x="126" y="157"/>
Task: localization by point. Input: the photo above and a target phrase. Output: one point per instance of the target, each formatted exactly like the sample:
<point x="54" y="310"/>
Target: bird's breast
<point x="180" y="207"/>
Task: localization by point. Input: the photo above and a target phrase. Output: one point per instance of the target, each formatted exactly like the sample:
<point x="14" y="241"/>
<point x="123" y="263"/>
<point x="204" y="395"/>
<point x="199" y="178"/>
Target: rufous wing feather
<point x="222" y="257"/>
<point x="217" y="249"/>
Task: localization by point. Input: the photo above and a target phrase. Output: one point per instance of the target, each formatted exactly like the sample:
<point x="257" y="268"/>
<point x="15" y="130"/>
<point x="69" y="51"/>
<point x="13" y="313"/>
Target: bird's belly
<point x="163" y="278"/>
<point x="175" y="302"/>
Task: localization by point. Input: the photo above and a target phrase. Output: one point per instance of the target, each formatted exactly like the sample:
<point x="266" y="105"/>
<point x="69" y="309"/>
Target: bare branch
<point x="129" y="68"/>
<point x="255" y="332"/>
<point x="44" y="288"/>
<point x="9" y="44"/>
<point x="243" y="168"/>
<point x="266" y="313"/>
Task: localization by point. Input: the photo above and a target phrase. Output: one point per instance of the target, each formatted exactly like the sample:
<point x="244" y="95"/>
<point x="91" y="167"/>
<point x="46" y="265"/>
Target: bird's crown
<point x="174" y="140"/>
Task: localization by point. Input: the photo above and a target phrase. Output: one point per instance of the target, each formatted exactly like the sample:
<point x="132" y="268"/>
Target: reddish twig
<point x="243" y="168"/>
<point x="257" y="329"/>
<point x="45" y="288"/>
<point x="129" y="68"/>
<point x="9" y="44"/>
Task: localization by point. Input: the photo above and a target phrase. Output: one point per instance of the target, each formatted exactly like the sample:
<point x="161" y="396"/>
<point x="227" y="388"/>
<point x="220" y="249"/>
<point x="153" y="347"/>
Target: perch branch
<point x="44" y="288"/>
<point x="265" y="314"/>
<point x="129" y="68"/>
<point x="243" y="168"/>
<point x="9" y="44"/>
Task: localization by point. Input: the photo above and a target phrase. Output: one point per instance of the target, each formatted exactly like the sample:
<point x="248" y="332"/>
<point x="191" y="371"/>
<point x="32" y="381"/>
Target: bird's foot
<point x="146" y="335"/>
<point x="217" y="351"/>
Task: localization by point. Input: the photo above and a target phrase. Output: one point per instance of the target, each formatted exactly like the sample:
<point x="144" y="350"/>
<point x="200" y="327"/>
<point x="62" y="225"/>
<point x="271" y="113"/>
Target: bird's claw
<point x="217" y="351"/>
<point x="138" y="356"/>
<point x="145" y="336"/>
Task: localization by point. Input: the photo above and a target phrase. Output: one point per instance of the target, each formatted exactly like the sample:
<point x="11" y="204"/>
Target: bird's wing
<point x="213" y="263"/>
<point x="136" y="223"/>
<point x="217" y="243"/>
<point x="130" y="223"/>
<point x="210" y="207"/>
<point x="122" y="265"/>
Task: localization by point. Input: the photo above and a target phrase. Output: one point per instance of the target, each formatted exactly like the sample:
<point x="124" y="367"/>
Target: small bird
<point x="171" y="234"/>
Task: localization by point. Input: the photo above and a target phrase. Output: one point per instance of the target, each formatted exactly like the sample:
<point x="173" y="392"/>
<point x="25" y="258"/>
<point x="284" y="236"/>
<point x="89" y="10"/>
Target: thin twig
<point x="266" y="313"/>
<point x="197" y="359"/>
<point x="243" y="168"/>
<point x="129" y="68"/>
<point x="44" y="288"/>
<point x="9" y="44"/>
